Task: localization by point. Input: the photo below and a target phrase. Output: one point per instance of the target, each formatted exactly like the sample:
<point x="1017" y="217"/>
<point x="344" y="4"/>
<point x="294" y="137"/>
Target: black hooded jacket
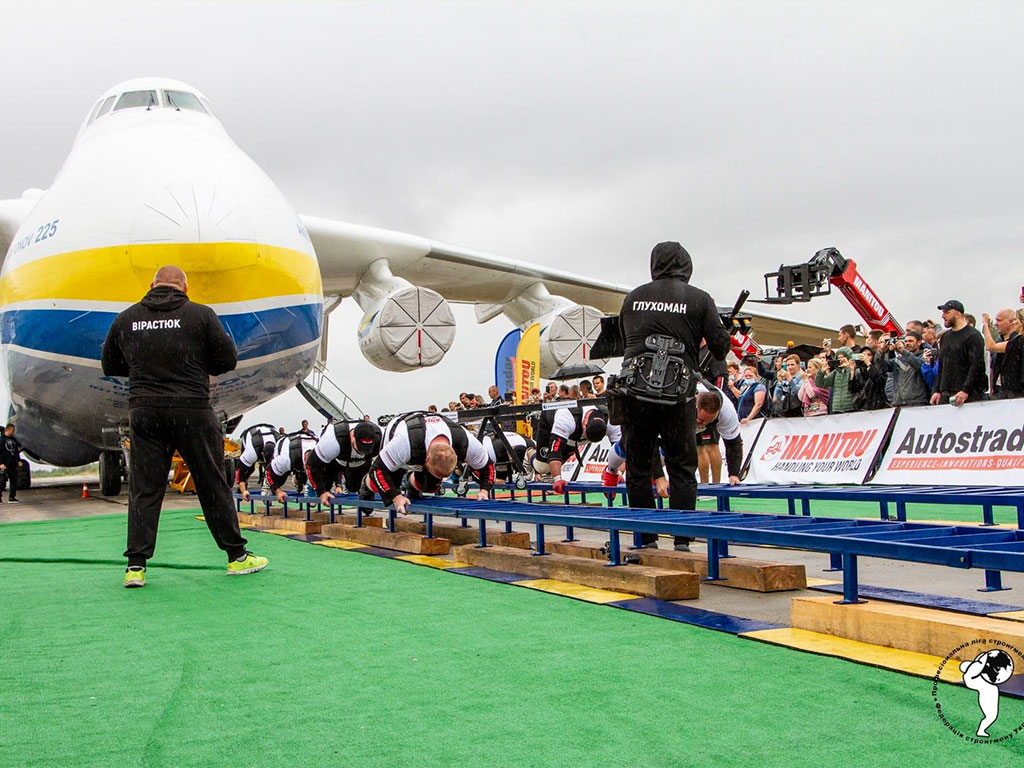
<point x="670" y="306"/>
<point x="168" y="347"/>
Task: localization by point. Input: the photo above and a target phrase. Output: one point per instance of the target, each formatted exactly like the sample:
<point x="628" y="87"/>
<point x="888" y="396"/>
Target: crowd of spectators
<point x="930" y="363"/>
<point x="585" y="389"/>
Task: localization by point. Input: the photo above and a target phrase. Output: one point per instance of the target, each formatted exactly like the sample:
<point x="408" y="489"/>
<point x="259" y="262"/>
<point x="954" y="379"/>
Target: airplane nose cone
<point x="193" y="212"/>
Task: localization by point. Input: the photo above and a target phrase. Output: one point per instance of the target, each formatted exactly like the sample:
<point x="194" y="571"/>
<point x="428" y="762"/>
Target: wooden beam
<point x="458" y="534"/>
<point x="907" y="627"/>
<point x="738" y="572"/>
<point x="635" y="579"/>
<point x="412" y="543"/>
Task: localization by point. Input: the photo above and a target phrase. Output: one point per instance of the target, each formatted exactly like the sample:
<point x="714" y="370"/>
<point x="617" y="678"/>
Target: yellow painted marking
<point x="911" y="662"/>
<point x="578" y="591"/>
<point x="339" y="544"/>
<point x="200" y="517"/>
<point x="279" y="531"/>
<point x="813" y="581"/>
<point x="1009" y="615"/>
<point x="217" y="272"/>
<point x="433" y="562"/>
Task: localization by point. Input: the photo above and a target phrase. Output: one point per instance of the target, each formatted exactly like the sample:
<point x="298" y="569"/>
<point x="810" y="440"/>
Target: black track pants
<point x="676" y="425"/>
<point x="195" y="433"/>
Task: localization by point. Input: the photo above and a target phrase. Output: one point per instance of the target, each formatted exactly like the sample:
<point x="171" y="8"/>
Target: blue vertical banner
<point x="505" y="362"/>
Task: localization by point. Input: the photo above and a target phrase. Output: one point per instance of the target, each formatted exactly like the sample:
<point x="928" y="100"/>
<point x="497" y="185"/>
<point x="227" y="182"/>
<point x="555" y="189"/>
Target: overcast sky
<point x="581" y="134"/>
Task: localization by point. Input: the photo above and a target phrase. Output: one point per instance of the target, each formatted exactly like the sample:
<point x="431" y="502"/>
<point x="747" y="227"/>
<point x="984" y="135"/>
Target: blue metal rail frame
<point x="844" y="539"/>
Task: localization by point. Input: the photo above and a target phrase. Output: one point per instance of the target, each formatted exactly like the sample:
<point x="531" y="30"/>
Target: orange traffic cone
<point x="85" y="491"/>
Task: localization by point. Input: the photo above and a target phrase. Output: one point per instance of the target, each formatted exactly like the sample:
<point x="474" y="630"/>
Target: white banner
<point x="975" y="444"/>
<point x="833" y="449"/>
<point x="595" y="459"/>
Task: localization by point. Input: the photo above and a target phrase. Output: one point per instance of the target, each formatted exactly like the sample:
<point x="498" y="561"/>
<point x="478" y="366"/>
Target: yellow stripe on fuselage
<point x="217" y="273"/>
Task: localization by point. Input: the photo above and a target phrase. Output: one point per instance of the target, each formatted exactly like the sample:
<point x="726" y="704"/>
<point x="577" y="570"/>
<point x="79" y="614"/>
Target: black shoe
<point x="14" y="501"/>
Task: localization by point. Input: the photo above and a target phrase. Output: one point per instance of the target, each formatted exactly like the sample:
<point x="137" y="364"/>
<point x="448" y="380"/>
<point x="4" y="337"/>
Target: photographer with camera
<point x="663" y="323"/>
<point x="786" y="395"/>
<point x="906" y="362"/>
<point x="840" y="371"/>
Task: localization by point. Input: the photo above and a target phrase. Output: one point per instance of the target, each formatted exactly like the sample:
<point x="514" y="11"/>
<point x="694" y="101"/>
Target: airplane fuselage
<point x="144" y="187"/>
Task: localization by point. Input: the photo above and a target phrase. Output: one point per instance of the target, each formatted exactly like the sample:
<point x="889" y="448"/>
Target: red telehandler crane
<point x="828" y="267"/>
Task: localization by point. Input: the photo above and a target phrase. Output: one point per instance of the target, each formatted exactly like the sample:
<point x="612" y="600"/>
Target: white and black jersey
<point x="404" y="450"/>
<point x="289" y="459"/>
<point x="257" y="448"/>
<point x="335" y="457"/>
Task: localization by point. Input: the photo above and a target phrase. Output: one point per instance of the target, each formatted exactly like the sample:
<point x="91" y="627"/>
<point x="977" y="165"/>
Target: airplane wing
<point x="345" y="251"/>
<point x="12" y="213"/>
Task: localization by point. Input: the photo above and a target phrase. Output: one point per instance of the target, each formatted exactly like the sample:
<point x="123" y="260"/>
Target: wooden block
<point x="635" y="579"/>
<point x="412" y="543"/>
<point x="738" y="572"/>
<point x="458" y="534"/>
<point x="907" y="627"/>
<point x="276" y="522"/>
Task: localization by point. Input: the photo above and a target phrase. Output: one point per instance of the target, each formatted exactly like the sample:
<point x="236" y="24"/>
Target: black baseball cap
<point x="365" y="433"/>
<point x="952" y="304"/>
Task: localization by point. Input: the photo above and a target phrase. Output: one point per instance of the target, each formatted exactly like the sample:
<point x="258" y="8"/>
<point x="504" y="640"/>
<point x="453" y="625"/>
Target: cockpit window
<point x="183" y="100"/>
<point x="105" y="106"/>
<point x="131" y="99"/>
<point x="209" y="108"/>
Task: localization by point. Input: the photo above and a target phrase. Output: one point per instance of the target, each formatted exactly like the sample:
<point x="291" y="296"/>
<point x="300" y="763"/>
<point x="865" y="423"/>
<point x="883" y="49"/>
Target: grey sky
<point x="580" y="134"/>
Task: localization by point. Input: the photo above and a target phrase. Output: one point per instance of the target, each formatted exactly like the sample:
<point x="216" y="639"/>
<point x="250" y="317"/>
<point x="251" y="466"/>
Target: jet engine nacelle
<point x="404" y="327"/>
<point x="567" y="336"/>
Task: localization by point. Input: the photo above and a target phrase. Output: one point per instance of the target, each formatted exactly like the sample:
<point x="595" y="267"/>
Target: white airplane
<point x="152" y="179"/>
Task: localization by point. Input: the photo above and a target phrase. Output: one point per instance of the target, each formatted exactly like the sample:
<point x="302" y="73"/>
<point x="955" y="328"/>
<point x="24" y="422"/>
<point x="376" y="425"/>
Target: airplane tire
<point x="110" y="473"/>
<point x="24" y="478"/>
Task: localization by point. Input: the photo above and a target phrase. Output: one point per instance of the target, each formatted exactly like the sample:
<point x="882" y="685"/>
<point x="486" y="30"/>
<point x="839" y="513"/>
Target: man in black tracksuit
<point x="667" y="306"/>
<point x="169" y="348"/>
<point x="10" y="460"/>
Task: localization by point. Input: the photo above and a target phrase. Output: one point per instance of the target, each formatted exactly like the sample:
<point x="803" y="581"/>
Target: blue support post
<point x="483" y="533"/>
<point x="309" y="511"/>
<point x="986" y="513"/>
<point x="540" y="540"/>
<point x="566" y="499"/>
<point x="614" y="553"/>
<point x="835" y="562"/>
<point x="330" y="511"/>
<point x="713" y="555"/>
<point x="720" y="503"/>
<point x="849" y="580"/>
<point x="543" y="497"/>
<point x="723" y="550"/>
<point x="993" y="582"/>
<point x="583" y="497"/>
<point x="359" y="517"/>
<point x="512" y="493"/>
<point x="660" y="502"/>
<point x="883" y="510"/>
<point x="638" y="540"/>
<point x="570" y="533"/>
<point x="465" y="522"/>
<point x="901" y="511"/>
<point x="1020" y="515"/>
<point x="268" y="508"/>
<point x="529" y="496"/>
<point x="727" y="506"/>
<point x="428" y="520"/>
<point x="508" y="526"/>
<point x="284" y="508"/>
<point x="805" y="507"/>
<point x="391" y="519"/>
<point x="791" y="502"/>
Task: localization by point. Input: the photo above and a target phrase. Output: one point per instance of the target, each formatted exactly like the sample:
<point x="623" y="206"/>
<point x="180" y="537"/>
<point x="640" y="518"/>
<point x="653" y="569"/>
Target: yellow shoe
<point x="134" y="577"/>
<point x="248" y="564"/>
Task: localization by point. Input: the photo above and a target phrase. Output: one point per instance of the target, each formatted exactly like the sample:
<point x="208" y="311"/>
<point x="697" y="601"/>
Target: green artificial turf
<point x="335" y="658"/>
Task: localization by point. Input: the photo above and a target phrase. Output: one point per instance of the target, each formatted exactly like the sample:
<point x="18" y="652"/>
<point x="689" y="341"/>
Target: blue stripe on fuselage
<point x="75" y="333"/>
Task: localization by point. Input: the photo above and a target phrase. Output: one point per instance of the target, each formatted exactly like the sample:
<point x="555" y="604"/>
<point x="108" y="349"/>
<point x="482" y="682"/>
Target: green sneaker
<point x="248" y="564"/>
<point x="134" y="577"/>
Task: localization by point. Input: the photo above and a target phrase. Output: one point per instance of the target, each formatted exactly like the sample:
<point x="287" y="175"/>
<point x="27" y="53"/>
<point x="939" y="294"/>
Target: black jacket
<point x="10" y="451"/>
<point x="168" y="347"/>
<point x="962" y="363"/>
<point x="670" y="306"/>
